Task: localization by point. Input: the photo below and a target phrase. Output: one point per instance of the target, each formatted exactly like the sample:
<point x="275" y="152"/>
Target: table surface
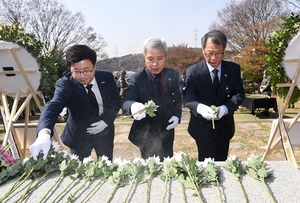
<point x="284" y="186"/>
<point x="256" y="103"/>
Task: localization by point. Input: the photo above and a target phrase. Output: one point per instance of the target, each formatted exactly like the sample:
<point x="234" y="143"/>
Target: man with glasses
<point x="213" y="83"/>
<point x="93" y="102"/>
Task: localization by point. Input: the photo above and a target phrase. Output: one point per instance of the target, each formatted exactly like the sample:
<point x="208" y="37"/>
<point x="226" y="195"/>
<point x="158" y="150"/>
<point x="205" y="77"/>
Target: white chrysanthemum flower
<point x="73" y="156"/>
<point x="167" y="159"/>
<point x="121" y="162"/>
<point x="25" y="160"/>
<point x="198" y="163"/>
<point x="87" y="160"/>
<point x="138" y="159"/>
<point x="232" y="158"/>
<point x="56" y="146"/>
<point x="66" y="154"/>
<point x="118" y="161"/>
<point x="178" y="156"/>
<point x="207" y="160"/>
<point x="252" y="157"/>
<point x="156" y="158"/>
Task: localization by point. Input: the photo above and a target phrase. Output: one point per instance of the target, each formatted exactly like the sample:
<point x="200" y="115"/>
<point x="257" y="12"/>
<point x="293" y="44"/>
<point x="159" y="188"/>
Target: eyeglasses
<point x="209" y="55"/>
<point x="84" y="72"/>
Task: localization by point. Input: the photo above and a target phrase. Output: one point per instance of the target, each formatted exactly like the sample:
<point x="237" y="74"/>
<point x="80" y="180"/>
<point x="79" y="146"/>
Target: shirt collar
<point x="210" y="68"/>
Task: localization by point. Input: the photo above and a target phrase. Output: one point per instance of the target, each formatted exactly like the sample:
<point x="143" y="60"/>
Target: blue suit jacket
<point x="142" y="88"/>
<point x="200" y="90"/>
<point x="69" y="93"/>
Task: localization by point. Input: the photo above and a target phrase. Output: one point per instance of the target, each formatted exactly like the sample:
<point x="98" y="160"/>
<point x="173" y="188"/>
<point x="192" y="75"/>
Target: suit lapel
<point x="224" y="79"/>
<point x="206" y="77"/>
<point x="80" y="91"/>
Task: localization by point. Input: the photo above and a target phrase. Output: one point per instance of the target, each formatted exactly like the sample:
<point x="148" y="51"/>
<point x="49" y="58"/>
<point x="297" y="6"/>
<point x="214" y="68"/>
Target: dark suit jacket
<point x="69" y="93"/>
<point x="200" y="90"/>
<point x="142" y="88"/>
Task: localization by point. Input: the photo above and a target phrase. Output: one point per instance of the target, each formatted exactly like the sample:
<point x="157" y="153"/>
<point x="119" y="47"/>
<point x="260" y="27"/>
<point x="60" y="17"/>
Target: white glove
<point x="42" y="143"/>
<point x="222" y="112"/>
<point x="137" y="112"/>
<point x="205" y="111"/>
<point x="174" y="122"/>
<point x="96" y="127"/>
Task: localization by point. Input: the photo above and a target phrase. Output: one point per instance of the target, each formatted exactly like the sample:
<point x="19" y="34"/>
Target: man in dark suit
<point x="90" y="123"/>
<point x="154" y="135"/>
<point x="182" y="84"/>
<point x="227" y="94"/>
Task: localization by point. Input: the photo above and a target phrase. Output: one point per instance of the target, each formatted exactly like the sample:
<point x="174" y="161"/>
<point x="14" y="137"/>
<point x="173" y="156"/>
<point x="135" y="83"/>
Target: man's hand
<point x="138" y="111"/>
<point x="222" y="112"/>
<point x="96" y="127"/>
<point x="42" y="143"/>
<point x="174" y="122"/>
<point x="205" y="111"/>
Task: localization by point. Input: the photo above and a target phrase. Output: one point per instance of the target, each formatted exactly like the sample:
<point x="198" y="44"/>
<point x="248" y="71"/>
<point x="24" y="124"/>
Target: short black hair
<point x="217" y="37"/>
<point x="80" y="52"/>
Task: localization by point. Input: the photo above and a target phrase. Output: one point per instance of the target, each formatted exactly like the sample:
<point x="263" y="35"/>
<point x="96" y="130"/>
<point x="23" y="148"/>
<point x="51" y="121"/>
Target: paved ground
<point x="251" y="137"/>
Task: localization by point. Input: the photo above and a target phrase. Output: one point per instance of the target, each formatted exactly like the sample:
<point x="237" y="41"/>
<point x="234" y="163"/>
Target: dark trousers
<point x="159" y="145"/>
<point x="103" y="143"/>
<point x="213" y="146"/>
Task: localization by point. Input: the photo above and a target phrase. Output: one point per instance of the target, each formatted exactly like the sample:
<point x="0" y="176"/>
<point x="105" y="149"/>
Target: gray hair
<point x="217" y="37"/>
<point x="155" y="42"/>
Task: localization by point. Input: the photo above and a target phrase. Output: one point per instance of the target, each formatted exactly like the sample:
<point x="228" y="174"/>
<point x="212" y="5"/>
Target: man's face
<point x="213" y="53"/>
<point x="83" y="71"/>
<point x="155" y="60"/>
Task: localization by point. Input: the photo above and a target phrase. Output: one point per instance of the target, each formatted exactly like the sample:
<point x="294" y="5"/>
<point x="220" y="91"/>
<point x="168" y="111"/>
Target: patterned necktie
<point x="216" y="81"/>
<point x="92" y="98"/>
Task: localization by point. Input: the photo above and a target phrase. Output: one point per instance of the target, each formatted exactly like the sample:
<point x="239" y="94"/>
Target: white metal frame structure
<point x="19" y="78"/>
<point x="284" y="131"/>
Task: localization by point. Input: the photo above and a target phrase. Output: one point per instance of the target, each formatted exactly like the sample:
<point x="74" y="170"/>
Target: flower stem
<point x="196" y="187"/>
<point x="183" y="193"/>
<point x="268" y="190"/>
<point x="220" y="192"/>
<point x="148" y="189"/>
<point x="56" y="182"/>
<point x="30" y="187"/>
<point x="64" y="190"/>
<point x="125" y="117"/>
<point x="96" y="186"/>
<point x="17" y="184"/>
<point x="113" y="193"/>
<point x="243" y="190"/>
<point x="130" y="189"/>
<point x="72" y="196"/>
<point x="166" y="189"/>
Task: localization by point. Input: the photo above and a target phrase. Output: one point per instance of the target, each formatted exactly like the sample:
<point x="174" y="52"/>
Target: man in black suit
<point x="154" y="135"/>
<point x="90" y="124"/>
<point x="227" y="94"/>
<point x="182" y="84"/>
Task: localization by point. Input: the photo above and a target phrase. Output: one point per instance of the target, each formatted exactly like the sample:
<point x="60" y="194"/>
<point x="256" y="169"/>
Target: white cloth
<point x="42" y="143"/>
<point x="137" y="112"/>
<point x="223" y="111"/>
<point x="205" y="111"/>
<point x="174" y="122"/>
<point x="96" y="127"/>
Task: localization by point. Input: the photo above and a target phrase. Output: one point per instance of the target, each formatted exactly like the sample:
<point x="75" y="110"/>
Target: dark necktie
<point x="92" y="98"/>
<point x="216" y="81"/>
<point x="158" y="84"/>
